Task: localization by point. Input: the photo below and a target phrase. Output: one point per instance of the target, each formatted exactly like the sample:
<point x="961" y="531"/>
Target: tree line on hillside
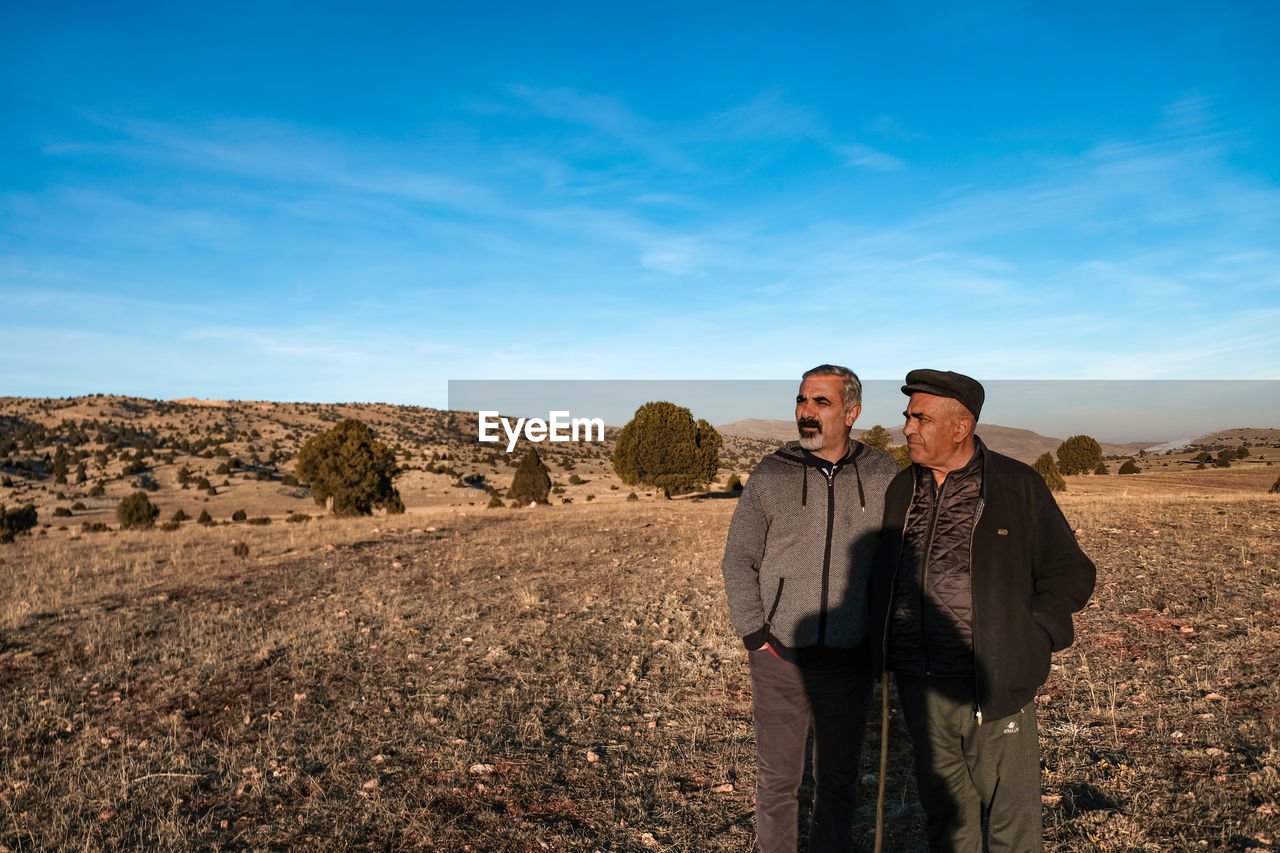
<point x="663" y="447"/>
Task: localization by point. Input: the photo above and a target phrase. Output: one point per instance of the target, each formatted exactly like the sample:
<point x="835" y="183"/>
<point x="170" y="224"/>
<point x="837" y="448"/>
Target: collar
<point x="815" y="461"/>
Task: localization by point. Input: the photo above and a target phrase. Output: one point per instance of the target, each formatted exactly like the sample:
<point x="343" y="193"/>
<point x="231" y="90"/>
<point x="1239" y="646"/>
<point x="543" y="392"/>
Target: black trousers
<point x="786" y="701"/>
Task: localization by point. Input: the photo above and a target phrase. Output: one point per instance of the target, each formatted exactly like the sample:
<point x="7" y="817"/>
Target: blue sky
<point x="340" y="202"/>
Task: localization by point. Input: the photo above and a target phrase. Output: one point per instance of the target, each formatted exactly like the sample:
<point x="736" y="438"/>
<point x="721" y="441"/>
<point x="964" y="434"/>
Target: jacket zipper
<point x="826" y="556"/>
<point x="973" y="604"/>
<point x="924" y="576"/>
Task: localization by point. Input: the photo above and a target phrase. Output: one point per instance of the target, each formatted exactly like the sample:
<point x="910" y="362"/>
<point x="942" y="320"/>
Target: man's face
<point x="933" y="430"/>
<point x="820" y="416"/>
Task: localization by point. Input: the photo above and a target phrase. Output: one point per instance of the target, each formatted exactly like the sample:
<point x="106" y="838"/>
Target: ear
<point x="852" y="415"/>
<point x="964" y="428"/>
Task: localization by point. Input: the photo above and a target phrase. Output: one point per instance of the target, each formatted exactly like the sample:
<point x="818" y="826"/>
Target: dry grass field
<point x="565" y="678"/>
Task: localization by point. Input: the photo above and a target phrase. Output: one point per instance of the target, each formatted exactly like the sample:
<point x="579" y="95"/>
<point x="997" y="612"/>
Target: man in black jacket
<point x="975" y="579"/>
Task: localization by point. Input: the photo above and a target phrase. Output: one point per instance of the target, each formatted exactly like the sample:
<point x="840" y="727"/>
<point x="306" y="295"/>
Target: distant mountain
<point x="780" y="431"/>
<point x="1239" y="435"/>
<point x="1021" y="444"/>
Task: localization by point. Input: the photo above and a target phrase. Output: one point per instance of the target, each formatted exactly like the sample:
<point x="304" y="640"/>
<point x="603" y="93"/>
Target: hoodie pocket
<point x="777" y="597"/>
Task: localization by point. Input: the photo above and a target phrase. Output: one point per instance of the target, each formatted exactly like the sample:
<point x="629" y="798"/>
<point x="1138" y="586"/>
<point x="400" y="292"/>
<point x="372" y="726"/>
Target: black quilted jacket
<point x="931" y="619"/>
<point x="1027" y="576"/>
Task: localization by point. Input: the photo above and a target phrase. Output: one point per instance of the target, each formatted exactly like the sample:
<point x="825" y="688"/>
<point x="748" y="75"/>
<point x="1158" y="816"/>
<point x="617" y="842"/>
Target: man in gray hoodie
<point x="796" y="566"/>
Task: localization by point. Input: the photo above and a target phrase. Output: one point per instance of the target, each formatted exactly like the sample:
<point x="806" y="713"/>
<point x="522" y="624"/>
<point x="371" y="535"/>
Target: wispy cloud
<point x="770" y="117"/>
<point x="610" y="118"/>
<point x="868" y="158"/>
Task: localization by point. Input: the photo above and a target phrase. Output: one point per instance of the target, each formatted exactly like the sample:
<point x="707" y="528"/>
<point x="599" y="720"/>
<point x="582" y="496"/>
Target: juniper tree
<point x="61" y="462"/>
<point x="1079" y="454"/>
<point x="901" y="454"/>
<point x="877" y="438"/>
<point x="136" y="511"/>
<point x="350" y="470"/>
<point x="13" y="522"/>
<point x="1048" y="469"/>
<point x="532" y="481"/>
<point x="663" y="447"/>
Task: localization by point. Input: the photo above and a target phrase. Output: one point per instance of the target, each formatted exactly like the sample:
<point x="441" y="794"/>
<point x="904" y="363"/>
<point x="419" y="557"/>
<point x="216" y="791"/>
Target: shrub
<point x="532" y="480"/>
<point x="61" y="512"/>
<point x="137" y="511"/>
<point x="78" y="505"/>
<point x="179" y="515"/>
<point x="239" y="515"/>
<point x="170" y="525"/>
<point x="296" y="517"/>
<point x="877" y="438"/>
<point x="349" y="470"/>
<point x="17" y="521"/>
<point x="662" y="446"/>
<point x="734" y="484"/>
<point x="1079" y="454"/>
<point x="901" y="454"/>
<point x="1275" y="487"/>
<point x="495" y="502"/>
<point x="1242" y="452"/>
<point x="1225" y="458"/>
<point x="633" y="497"/>
<point x="1130" y="467"/>
<point x="94" y="527"/>
<point x="240" y="549"/>
<point x="575" y="480"/>
<point x="1048" y="469"/>
<point x="259" y="520"/>
<point x="1102" y="469"/>
<point x="204" y="518"/>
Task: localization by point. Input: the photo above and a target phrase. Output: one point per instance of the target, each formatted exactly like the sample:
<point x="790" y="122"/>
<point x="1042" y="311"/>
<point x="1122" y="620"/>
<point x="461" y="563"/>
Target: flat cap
<point x="946" y="383"/>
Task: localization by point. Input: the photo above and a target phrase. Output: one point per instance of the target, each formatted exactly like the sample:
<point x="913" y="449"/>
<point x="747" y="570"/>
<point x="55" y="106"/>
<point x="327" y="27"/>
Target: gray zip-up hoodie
<point x="800" y="546"/>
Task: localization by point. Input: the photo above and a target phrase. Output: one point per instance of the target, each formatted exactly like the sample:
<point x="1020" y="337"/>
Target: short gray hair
<point x="850" y="390"/>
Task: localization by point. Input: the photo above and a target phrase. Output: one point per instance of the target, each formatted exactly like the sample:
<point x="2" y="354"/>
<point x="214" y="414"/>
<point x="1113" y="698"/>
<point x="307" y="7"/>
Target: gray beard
<point x="813" y="442"/>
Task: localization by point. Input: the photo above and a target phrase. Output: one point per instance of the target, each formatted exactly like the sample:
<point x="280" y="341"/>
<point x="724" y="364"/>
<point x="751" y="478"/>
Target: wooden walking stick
<point x="884" y="758"/>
